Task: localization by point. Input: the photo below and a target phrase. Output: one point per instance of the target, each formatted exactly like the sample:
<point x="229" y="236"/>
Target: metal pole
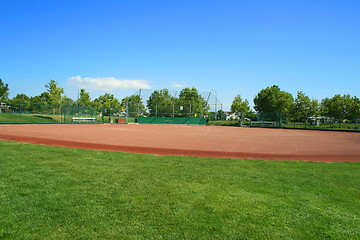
<point x="127" y="110"/>
<point x="102" y="115"/>
<point x="222" y="112"/>
<point x="215" y="104"/>
<point x="110" y="114"/>
<point x="20" y="112"/>
<point x="78" y="103"/>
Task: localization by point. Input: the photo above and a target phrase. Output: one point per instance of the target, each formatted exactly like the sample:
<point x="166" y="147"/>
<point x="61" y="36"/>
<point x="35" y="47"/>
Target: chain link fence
<point x="37" y="113"/>
<point x="172" y="104"/>
<point x="14" y="112"/>
<point x="286" y="120"/>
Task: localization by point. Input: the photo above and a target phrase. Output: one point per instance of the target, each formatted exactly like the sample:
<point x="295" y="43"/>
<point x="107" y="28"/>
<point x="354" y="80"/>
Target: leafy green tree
<point x="315" y="107"/>
<point x="42" y="98"/>
<point x="84" y="98"/>
<point x="4" y="91"/>
<point x="134" y="104"/>
<point x="251" y="115"/>
<point x="55" y="92"/>
<point x="67" y="101"/>
<point x="84" y="103"/>
<point x="341" y="107"/>
<point x="355" y="109"/>
<point x="304" y="107"/>
<point x="238" y="105"/>
<point x="332" y="107"/>
<point x="22" y="101"/>
<point x="68" y="107"/>
<point x="272" y="99"/>
<point x="221" y="115"/>
<point x="215" y="116"/>
<point x="21" y="98"/>
<point x="40" y="103"/>
<point x="191" y="103"/>
<point x="108" y="103"/>
<point x="161" y="103"/>
<point x="53" y="96"/>
<point x="324" y="106"/>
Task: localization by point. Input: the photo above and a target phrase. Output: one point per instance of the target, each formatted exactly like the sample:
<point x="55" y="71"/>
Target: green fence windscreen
<point x="171" y="120"/>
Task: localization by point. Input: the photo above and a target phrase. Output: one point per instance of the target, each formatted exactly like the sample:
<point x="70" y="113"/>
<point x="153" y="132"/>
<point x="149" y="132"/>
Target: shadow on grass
<point x="43" y="117"/>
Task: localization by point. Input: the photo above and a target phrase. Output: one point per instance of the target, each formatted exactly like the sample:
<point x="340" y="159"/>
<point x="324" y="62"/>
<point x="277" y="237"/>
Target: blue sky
<point x="234" y="47"/>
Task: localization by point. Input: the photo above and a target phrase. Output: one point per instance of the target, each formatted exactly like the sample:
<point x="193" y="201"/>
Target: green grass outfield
<point x="26" y="118"/>
<point x="59" y="193"/>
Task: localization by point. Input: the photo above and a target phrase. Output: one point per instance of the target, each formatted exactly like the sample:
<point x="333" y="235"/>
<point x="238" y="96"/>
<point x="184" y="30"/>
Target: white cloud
<point x="179" y="85"/>
<point x="108" y="83"/>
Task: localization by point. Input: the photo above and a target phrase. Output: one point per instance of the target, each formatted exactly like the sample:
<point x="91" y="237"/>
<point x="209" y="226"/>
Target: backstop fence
<point x="169" y="107"/>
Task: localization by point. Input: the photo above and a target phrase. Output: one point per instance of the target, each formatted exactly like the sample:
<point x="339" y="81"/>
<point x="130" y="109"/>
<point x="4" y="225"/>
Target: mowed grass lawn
<point x="27" y="118"/>
<point x="61" y="193"/>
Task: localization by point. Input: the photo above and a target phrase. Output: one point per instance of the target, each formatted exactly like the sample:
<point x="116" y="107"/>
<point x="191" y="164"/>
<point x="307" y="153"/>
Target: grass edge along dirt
<point x="63" y="193"/>
<point x="345" y="127"/>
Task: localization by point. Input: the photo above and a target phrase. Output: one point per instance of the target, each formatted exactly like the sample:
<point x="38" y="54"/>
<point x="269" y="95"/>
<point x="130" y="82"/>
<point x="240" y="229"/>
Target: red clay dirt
<point x="203" y="141"/>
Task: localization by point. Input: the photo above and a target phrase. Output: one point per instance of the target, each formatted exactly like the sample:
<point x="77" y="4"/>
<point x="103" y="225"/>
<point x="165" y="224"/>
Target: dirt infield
<point x="203" y="141"/>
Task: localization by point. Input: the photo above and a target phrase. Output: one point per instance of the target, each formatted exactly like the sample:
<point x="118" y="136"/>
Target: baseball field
<point x="177" y="182"/>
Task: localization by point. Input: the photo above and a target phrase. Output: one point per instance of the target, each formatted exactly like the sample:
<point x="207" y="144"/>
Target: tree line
<point x="273" y="100"/>
<point x="54" y="96"/>
<point x="190" y="103"/>
<point x="160" y="103"/>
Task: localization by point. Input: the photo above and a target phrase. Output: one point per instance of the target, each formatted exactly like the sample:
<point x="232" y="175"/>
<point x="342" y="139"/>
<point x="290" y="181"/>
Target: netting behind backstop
<point x="173" y="104"/>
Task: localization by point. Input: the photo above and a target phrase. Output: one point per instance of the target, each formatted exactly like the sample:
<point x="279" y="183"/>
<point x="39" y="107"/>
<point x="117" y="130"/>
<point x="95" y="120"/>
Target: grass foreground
<point x="62" y="193"/>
